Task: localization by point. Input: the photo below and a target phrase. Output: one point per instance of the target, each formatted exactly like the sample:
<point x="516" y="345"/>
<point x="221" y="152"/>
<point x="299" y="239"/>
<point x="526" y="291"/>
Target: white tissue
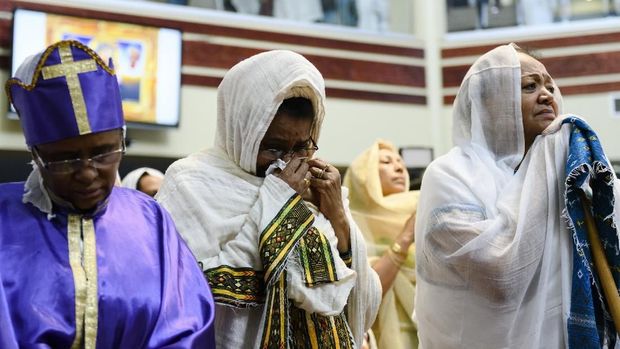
<point x="279" y="163"/>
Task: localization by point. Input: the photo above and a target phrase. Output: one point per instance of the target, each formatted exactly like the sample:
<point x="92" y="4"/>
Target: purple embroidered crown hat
<point x="63" y="92"/>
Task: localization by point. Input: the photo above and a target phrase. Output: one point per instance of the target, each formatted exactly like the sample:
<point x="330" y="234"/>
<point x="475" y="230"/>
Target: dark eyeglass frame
<point x="99" y="161"/>
<point x="279" y="153"/>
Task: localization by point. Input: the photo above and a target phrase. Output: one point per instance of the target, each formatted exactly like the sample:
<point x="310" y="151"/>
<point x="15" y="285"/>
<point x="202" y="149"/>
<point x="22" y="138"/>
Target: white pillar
<point x="430" y="26"/>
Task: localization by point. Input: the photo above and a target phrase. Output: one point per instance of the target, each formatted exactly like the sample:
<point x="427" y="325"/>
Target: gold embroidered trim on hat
<point x="70" y="70"/>
<point x="43" y="59"/>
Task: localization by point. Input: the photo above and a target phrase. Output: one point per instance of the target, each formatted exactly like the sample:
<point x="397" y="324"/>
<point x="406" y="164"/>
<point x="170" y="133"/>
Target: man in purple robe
<point x="84" y="264"/>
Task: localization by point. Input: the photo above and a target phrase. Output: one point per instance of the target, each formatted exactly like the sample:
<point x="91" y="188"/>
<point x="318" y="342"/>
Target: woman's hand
<point x="407" y="236"/>
<point x="388" y="266"/>
<point x="296" y="175"/>
<point x="326" y="188"/>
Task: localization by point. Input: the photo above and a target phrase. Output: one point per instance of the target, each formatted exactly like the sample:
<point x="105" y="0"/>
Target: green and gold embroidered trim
<point x="239" y="287"/>
<point x="276" y="322"/>
<point x="291" y="225"/>
<point x="281" y="235"/>
<point x="347" y="258"/>
<point x="84" y="268"/>
<point x="316" y="331"/>
<point x="316" y="258"/>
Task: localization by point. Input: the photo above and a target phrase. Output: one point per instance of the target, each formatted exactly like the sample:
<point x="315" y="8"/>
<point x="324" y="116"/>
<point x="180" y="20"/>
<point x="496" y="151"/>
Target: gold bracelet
<point x="396" y="259"/>
<point x="398" y="250"/>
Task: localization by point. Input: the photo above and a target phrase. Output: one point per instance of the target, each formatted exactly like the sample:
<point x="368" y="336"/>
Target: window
<point x="483" y="14"/>
<point x="370" y="15"/>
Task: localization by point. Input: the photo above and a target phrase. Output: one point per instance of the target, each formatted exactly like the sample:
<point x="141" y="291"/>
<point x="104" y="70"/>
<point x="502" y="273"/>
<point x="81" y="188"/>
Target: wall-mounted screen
<point x="416" y="157"/>
<point x="147" y="60"/>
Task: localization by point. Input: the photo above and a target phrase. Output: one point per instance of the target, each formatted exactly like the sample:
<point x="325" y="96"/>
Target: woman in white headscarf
<point x="268" y="222"/>
<point x="494" y="253"/>
<point x="145" y="179"/>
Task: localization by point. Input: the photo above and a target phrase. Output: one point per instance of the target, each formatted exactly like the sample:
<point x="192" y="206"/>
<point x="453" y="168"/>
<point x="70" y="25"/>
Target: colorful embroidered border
<point x="347" y="258"/>
<point x="281" y="235"/>
<point x="317" y="331"/>
<point x="276" y="316"/>
<point x="589" y="323"/>
<point x="316" y="258"/>
<point x="239" y="287"/>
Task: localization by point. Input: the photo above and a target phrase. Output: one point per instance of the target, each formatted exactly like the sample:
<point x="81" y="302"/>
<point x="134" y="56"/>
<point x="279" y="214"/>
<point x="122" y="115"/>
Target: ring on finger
<point x="320" y="176"/>
<point x="306" y="181"/>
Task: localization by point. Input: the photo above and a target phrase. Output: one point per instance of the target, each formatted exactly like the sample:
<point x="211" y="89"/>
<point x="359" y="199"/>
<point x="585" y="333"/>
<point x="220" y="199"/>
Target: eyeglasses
<point x="300" y="151"/>
<point x="99" y="161"/>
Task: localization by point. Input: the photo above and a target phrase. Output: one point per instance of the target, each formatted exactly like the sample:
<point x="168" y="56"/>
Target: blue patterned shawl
<point x="589" y="322"/>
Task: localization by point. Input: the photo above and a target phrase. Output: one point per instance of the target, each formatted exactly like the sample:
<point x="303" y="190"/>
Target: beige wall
<point x="596" y="109"/>
<point x="350" y="126"/>
<point x="195" y="131"/>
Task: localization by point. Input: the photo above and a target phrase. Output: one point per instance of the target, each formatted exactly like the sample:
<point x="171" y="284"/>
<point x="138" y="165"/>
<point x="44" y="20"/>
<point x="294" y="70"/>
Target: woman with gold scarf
<point x="384" y="209"/>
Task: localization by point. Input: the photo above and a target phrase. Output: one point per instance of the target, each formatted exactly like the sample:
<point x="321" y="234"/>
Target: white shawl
<point x="494" y="254"/>
<point x="132" y="178"/>
<point x="220" y="206"/>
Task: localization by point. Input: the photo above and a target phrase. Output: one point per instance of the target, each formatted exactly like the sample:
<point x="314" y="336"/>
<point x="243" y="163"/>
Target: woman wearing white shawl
<point x="271" y="258"/>
<point x="145" y="179"/>
<point x="494" y="254"/>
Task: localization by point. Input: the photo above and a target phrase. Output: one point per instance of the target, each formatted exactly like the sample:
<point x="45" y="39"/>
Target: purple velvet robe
<point x="151" y="291"/>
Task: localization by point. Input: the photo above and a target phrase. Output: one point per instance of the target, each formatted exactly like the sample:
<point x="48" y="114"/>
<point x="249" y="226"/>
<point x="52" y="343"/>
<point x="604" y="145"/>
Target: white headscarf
<point x="493" y="252"/>
<point x="246" y="105"/>
<point x="220" y="207"/>
<point x="132" y="179"/>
